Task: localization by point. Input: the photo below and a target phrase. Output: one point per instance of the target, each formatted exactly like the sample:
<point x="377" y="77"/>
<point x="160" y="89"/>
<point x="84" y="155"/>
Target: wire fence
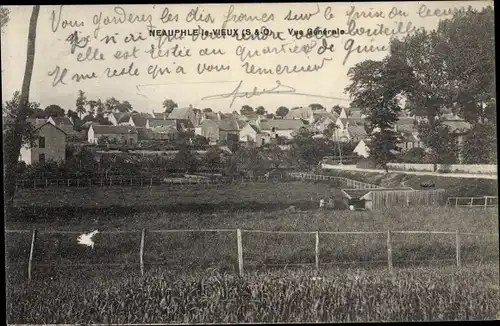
<point x="479" y="201"/>
<point x="190" y="180"/>
<point x="241" y="250"/>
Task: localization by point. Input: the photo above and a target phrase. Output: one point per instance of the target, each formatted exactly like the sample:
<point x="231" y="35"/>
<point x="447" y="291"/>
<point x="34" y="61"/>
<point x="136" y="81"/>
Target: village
<point x="249" y="129"/>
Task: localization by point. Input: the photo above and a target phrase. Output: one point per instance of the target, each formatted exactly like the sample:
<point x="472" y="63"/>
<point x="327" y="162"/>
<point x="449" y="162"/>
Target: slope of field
<point x="462" y="187"/>
<point x="284" y="296"/>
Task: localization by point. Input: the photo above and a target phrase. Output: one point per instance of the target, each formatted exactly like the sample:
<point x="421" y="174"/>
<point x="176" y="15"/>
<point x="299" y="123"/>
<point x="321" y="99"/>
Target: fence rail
<point x="480" y="201"/>
<point x="193" y="180"/>
<point x="353" y="184"/>
<point x="240" y="248"/>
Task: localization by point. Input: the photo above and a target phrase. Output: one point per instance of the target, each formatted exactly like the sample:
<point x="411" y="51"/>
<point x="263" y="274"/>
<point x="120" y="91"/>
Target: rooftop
<point x="116" y="130"/>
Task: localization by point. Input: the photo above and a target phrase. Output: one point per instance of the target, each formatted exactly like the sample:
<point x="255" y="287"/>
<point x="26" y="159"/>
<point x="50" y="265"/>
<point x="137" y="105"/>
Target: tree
<point x="337" y="109"/>
<point x="260" y="110"/>
<point x="414" y="155"/>
<point x="282" y="111"/>
<point x="480" y="144"/>
<point x="100" y="119"/>
<point x="54" y="110"/>
<point x="81" y="102"/>
<point x="306" y="150"/>
<point x="185" y="158"/>
<point x="72" y="114"/>
<point x="4" y="16"/>
<point x="274" y="156"/>
<point x="375" y="86"/>
<point x="111" y="104"/>
<point x="13" y="138"/>
<point x="316" y="106"/>
<point x="207" y="110"/>
<point x="246" y="109"/>
<point x="329" y="131"/>
<point x="169" y="105"/>
<point x="124" y="107"/>
<point x="270" y="116"/>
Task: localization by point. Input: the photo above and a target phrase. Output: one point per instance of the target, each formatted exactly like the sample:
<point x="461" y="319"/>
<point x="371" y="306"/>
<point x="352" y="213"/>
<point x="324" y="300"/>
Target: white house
<point x="362" y="149"/>
<point x="50" y="145"/>
<point x="284" y="128"/>
<point x="119" y="134"/>
<point x="252" y="133"/>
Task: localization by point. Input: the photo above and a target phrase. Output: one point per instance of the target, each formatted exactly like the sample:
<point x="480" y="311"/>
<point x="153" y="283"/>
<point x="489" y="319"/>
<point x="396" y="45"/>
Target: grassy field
<point x="417" y="294"/>
<point x="118" y="294"/>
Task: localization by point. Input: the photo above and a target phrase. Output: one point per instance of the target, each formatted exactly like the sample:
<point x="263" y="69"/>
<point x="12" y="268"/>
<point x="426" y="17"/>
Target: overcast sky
<point x="146" y="94"/>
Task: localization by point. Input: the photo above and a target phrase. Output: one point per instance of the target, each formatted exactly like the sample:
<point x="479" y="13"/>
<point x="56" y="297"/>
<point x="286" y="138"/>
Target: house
<point x="218" y="128"/>
<point x="118" y="134"/>
<point x="251" y="133"/>
<point x="185" y="114"/>
<point x="163" y="129"/>
<point x="280" y="128"/>
<point x="160" y="115"/>
<point x="50" y="145"/>
<point x="322" y="123"/>
<point x="115" y="117"/>
<point x="362" y="149"/>
<point x="409" y="140"/>
<point x="64" y="123"/>
<point x="357" y="133"/>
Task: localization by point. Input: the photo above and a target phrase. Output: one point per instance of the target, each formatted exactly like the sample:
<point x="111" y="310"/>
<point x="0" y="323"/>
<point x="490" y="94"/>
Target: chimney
<point x="218" y="116"/>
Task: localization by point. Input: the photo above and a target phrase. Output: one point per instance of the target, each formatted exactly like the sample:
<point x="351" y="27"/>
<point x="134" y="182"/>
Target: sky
<point x="238" y="66"/>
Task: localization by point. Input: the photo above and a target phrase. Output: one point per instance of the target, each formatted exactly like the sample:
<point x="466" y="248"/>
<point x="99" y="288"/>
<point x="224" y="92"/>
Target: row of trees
<point x="451" y="67"/>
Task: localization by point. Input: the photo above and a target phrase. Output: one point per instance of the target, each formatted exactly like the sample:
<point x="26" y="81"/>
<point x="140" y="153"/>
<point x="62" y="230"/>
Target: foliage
<point x="186" y="159"/>
<point x="113" y="105"/>
<point x="282" y="111"/>
<point x="260" y="110"/>
<point x="442" y="142"/>
<point x="207" y="110"/>
<point x="4" y="17"/>
<point x="414" y="155"/>
<point x="54" y="110"/>
<point x="329" y="131"/>
<point x="316" y="106"/>
<point x="169" y="105"/>
<point x="28" y="135"/>
<point x="337" y="109"/>
<point x="246" y="109"/>
<point x="81" y="101"/>
<point x="308" y="151"/>
<point x="480" y="144"/>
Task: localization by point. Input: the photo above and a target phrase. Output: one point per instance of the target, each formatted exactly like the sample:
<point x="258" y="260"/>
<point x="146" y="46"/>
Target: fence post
<point x="240" y="251"/>
<point x="317" y="250"/>
<point x="46" y="183"/>
<point x="458" y="249"/>
<point x="471" y="200"/>
<point x="389" y="251"/>
<point x="32" y="248"/>
<point x="485" y="202"/>
<point x="130" y="181"/>
<point x="101" y="182"/>
<point x="34" y="183"/>
<point x="151" y="182"/>
<point x="141" y="252"/>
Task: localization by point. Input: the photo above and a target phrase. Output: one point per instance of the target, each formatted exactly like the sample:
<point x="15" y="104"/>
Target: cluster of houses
<point x="251" y="129"/>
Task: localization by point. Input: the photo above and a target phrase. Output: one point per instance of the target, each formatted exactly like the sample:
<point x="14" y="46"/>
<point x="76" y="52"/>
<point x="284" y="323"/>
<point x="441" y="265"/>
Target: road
<point x="437" y="174"/>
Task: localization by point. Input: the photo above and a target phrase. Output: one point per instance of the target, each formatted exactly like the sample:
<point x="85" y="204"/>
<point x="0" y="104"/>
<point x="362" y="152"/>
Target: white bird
<point x="86" y="239"/>
<point x="351" y="207"/>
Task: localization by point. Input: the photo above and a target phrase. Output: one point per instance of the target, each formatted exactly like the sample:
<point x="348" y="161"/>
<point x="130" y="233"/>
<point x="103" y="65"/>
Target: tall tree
<point x="14" y="138"/>
<point x="207" y="110"/>
<point x="375" y="86"/>
<point x="54" y="110"/>
<point x="260" y="110"/>
<point x="282" y="111"/>
<point x="4" y="16"/>
<point x="111" y="105"/>
<point x="169" y="105"/>
<point x="81" y="102"/>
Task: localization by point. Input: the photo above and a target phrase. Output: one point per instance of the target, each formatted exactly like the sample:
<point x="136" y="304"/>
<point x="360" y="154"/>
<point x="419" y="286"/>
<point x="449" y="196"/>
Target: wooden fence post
<point x="471" y="200"/>
<point x="240" y="251"/>
<point x="459" y="263"/>
<point x="46" y="183"/>
<point x="32" y="248"/>
<point x="141" y="252"/>
<point x="485" y="202"/>
<point x="317" y="250"/>
<point x="151" y="182"/>
<point x="389" y="252"/>
<point x="34" y="183"/>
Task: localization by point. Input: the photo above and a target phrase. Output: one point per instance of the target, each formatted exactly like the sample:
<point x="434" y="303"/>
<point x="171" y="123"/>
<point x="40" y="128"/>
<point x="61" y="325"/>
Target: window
<point x="41" y="158"/>
<point x="41" y="142"/>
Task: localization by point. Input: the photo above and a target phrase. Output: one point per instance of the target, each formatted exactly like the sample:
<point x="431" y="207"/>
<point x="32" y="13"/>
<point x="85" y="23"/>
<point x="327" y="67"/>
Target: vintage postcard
<point x="250" y="162"/>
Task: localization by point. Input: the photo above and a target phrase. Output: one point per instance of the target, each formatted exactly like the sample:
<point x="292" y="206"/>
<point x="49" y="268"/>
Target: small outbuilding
<point x="362" y="199"/>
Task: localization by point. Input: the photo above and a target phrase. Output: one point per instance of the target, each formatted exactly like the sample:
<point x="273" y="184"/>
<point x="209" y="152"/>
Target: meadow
<point x="178" y="265"/>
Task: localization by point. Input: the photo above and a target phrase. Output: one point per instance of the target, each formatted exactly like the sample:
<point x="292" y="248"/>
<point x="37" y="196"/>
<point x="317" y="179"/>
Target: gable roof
<point x="186" y="122"/>
<point x="180" y="113"/>
<point x="282" y="124"/>
<point x="228" y="124"/>
<point x="116" y="130"/>
<point x="125" y="117"/>
<point x="138" y="120"/>
<point x="62" y="120"/>
<point x="160" y="115"/>
<point x="36" y="122"/>
<point x="48" y="123"/>
<point x="357" y="131"/>
<point x="156" y="123"/>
